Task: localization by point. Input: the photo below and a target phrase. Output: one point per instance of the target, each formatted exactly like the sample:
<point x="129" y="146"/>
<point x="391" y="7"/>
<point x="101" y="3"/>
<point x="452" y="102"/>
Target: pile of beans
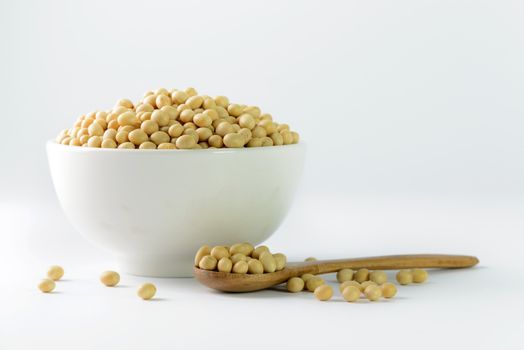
<point x="239" y="258"/>
<point x="145" y="291"/>
<point x="373" y="285"/>
<point x="177" y="119"/>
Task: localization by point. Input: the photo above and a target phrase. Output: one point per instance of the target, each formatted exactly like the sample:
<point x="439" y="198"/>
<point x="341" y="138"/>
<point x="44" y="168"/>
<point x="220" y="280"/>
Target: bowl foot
<point x="155" y="265"/>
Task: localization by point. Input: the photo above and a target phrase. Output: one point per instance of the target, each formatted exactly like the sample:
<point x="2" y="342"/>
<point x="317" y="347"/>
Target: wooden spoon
<point x="235" y="282"/>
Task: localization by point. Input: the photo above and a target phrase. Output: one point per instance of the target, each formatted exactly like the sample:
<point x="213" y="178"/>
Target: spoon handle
<point x="393" y="262"/>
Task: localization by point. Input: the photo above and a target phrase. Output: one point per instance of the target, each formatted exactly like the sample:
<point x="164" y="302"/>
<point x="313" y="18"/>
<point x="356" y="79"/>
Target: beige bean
<point x="243" y="248"/>
<point x="179" y="97"/>
<point x="366" y="284"/>
<point x="267" y="141"/>
<point x="281" y="261"/>
<point x="108" y="143"/>
<point x="223" y="129"/>
<point x="95" y="129"/>
<point x="349" y="283"/>
<point x="146" y="291"/>
<point x="203" y="134"/>
<point x="215" y="141"/>
<point x="127" y="118"/>
<point x="259" y="132"/>
<point x="313" y="282"/>
<point x="185" y="142"/>
<point x="94" y="141"/>
<point x="277" y="139"/>
<point x="419" y="275"/>
<point x="373" y="292"/>
<point x="344" y="275"/>
<point x="171" y="112"/>
<point x="46" y="285"/>
<point x="202" y="120"/>
<point x="323" y="292"/>
<point x="234" y="109"/>
<point x="305" y="277"/>
<point x="126" y="145"/>
<point x="388" y="290"/>
<point x="186" y="115"/>
<point x="351" y="293"/>
<point x="159" y="137"/>
<point x="259" y="250"/>
<point x="379" y="277"/>
<point x="255" y="142"/>
<point x="295" y="284"/>
<point x="195" y="102"/>
<point x="268" y="261"/>
<point x="149" y="127"/>
<point x="110" y="278"/>
<point x="207" y="262"/>
<point x="222" y="101"/>
<point x="167" y="145"/>
<point x="137" y="137"/>
<point x="246" y="134"/>
<point x="160" y="117"/>
<point x="122" y="136"/>
<point x="255" y="266"/>
<point x="238" y="257"/>
<point x="109" y="134"/>
<point x="175" y="130"/>
<point x="246" y="121"/>
<point x="233" y="140"/>
<point x="162" y="101"/>
<point x="147" y="145"/>
<point x="55" y="272"/>
<point x="220" y="252"/>
<point x="201" y="252"/>
<point x="404" y="277"/>
<point x="240" y="267"/>
<point x="362" y="275"/>
<point x="225" y="264"/>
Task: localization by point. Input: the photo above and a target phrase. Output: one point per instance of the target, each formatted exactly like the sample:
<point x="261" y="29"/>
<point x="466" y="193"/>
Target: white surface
<point x="155" y="208"/>
<point x="477" y="308"/>
<point x="413" y="115"/>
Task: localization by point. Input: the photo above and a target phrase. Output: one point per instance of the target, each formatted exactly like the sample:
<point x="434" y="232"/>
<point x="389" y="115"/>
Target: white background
<point x="413" y="115"/>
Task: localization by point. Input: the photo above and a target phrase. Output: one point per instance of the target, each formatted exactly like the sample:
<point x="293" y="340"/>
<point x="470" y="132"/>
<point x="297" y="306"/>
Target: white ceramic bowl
<point x="154" y="208"/>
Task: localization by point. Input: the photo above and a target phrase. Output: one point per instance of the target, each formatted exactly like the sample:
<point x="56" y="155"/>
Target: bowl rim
<point x="53" y="143"/>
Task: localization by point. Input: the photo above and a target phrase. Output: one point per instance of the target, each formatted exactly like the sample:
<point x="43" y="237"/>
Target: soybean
<point x="208" y="262"/>
<point x="55" y="272"/>
<point x="323" y="292"/>
<point x="295" y="284"/>
<point x="373" y="292"/>
<point x="362" y="275"/>
<point x="146" y="291"/>
<point x="46" y="285"/>
<point x="419" y="275"/>
<point x="349" y="283"/>
<point x="313" y="283"/>
<point x="225" y="264"/>
<point x="110" y="278"/>
<point x="351" y="293"/>
<point x="379" y="277"/>
<point x="404" y="277"/>
<point x="388" y="290"/>
<point x="345" y="275"/>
